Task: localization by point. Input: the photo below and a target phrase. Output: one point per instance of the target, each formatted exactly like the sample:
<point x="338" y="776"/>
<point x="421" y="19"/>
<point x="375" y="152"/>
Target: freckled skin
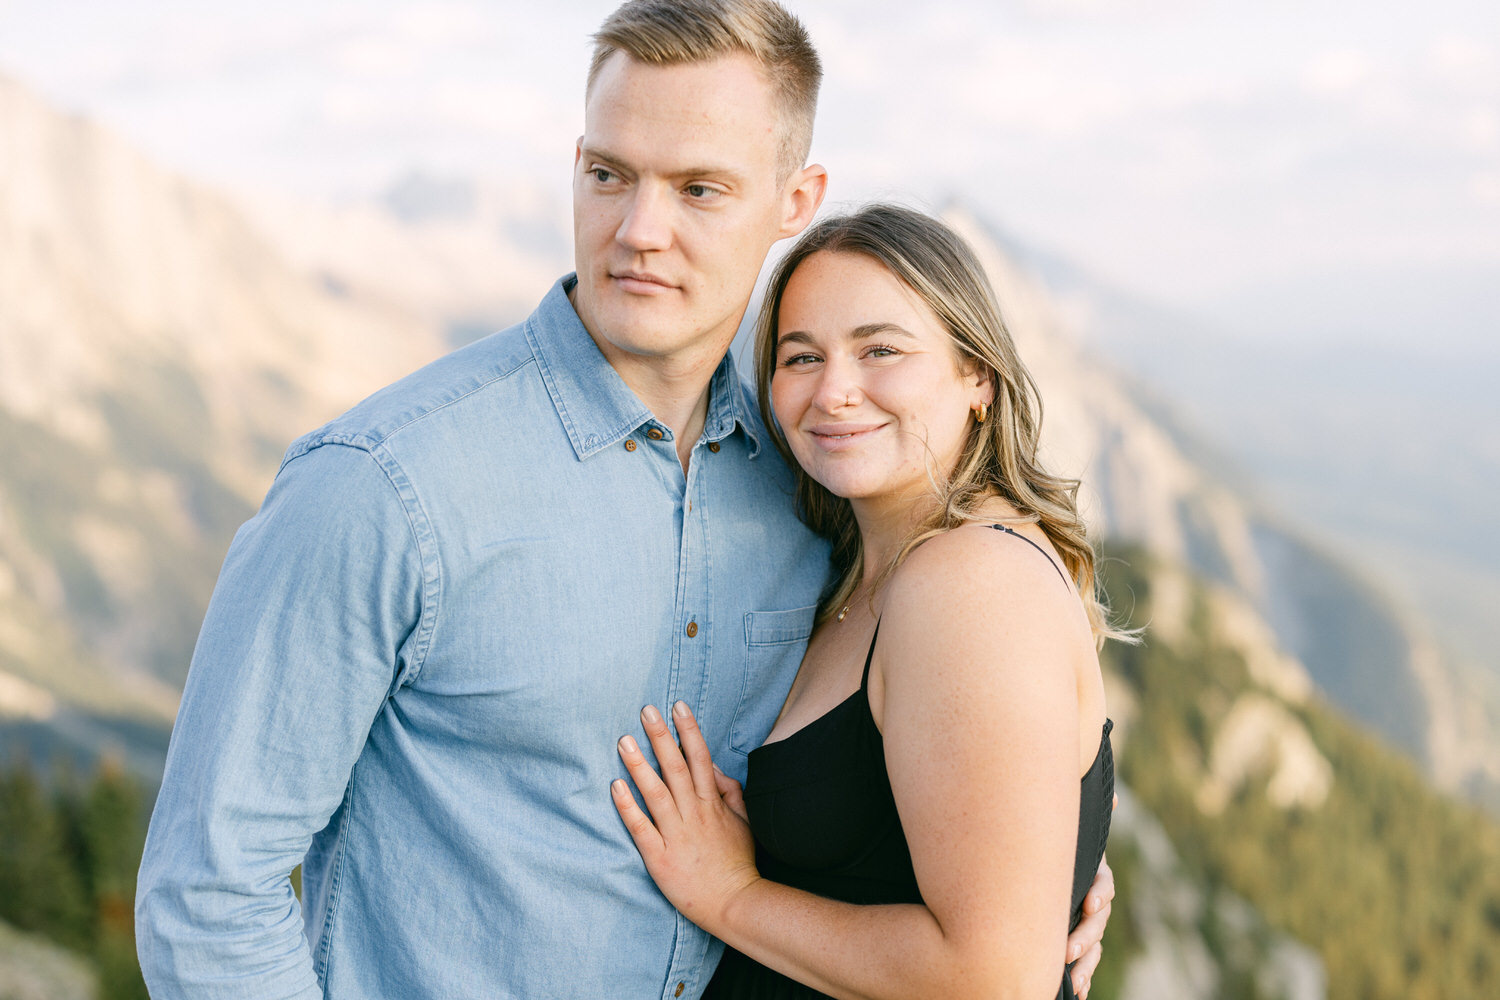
<point x="900" y="390"/>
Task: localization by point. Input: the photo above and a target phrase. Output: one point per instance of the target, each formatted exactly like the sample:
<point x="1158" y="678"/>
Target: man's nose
<point x="648" y="223"/>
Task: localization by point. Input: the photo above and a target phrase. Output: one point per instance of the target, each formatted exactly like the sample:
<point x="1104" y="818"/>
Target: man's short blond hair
<point x="673" y="32"/>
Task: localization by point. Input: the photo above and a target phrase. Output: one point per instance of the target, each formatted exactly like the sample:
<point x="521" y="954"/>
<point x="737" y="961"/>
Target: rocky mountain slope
<point x="156" y="356"/>
<point x="1169" y="491"/>
<point x="1374" y="652"/>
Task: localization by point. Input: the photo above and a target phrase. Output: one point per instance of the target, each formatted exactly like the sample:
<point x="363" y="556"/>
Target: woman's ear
<point x="984" y="382"/>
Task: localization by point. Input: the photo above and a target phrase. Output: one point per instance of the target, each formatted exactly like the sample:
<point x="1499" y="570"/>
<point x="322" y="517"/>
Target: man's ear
<point x="803" y="194"/>
<point x="577" y="151"/>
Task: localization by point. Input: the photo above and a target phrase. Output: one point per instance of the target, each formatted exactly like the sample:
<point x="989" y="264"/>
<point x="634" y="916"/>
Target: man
<point x="454" y="598"/>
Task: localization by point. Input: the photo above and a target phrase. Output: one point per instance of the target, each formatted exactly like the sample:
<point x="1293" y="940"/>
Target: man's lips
<point x="642" y="282"/>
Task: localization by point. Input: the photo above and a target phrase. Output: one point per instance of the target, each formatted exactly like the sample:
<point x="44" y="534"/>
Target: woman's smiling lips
<point x="838" y="437"/>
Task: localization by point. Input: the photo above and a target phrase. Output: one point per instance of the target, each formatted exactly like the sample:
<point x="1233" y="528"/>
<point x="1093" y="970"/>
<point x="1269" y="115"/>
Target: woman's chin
<point x="847" y="488"/>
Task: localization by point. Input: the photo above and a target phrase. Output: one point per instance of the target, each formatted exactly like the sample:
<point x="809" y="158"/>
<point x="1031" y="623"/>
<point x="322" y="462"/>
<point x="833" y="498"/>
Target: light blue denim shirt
<point x="414" y="669"/>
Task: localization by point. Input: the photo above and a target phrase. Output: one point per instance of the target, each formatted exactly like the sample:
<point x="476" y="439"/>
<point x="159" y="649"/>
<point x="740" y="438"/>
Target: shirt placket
<point x="686" y="681"/>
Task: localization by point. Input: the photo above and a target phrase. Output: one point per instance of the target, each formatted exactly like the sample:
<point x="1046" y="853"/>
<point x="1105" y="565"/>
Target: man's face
<point x="676" y="201"/>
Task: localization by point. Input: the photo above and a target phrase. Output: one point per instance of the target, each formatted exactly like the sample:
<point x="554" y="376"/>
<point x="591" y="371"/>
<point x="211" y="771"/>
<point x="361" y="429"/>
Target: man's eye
<point x="601" y="175"/>
<point x="700" y="191"/>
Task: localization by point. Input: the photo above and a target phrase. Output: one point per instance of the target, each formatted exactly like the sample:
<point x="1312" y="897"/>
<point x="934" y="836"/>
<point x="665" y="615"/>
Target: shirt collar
<point x="597" y="408"/>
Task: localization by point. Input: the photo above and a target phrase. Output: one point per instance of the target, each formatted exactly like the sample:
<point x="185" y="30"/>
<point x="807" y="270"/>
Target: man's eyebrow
<point x="704" y="172"/>
<point x="595" y="153"/>
<point x="708" y="173"/>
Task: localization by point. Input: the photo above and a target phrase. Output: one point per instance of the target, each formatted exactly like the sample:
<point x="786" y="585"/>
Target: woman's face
<point x="867" y="385"/>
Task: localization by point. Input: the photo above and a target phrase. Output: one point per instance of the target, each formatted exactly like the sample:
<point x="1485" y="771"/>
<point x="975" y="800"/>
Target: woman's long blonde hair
<point x="1000" y="456"/>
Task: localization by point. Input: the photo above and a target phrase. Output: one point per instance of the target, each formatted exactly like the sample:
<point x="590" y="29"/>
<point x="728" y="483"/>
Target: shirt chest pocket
<point x="774" y="642"/>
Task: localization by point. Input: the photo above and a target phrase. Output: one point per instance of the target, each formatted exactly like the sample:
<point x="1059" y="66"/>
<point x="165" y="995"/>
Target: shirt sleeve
<point x="311" y="627"/>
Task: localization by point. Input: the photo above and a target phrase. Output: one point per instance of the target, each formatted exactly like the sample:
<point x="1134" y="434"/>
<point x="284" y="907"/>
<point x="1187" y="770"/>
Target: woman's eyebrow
<point x="861" y="332"/>
<point x="876" y="329"/>
<point x="794" y="337"/>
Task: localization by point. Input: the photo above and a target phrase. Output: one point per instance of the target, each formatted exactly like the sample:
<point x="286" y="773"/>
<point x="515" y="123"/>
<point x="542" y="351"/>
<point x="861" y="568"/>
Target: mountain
<point x="465" y="256"/>
<point x="156" y="356"/>
<point x="160" y="344"/>
<point x="31" y="968"/>
<point x="1274" y="797"/>
<point x="1381" y="583"/>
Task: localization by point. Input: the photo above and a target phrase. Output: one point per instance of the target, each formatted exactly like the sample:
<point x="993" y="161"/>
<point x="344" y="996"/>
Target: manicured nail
<point x="1096" y="901"/>
<point x="650" y="714"/>
<point x="1074" y="952"/>
<point x="681" y="710"/>
<point x="627" y="744"/>
<point x="617" y="786"/>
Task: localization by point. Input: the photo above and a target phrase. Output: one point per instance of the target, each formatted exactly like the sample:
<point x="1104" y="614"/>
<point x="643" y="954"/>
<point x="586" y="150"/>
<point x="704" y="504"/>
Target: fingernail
<point x="681" y="710"/>
<point x="627" y="743"/>
<point x="718" y="768"/>
<point x="1074" y="952"/>
<point x="1096" y="901"/>
<point x="650" y="714"/>
<point x="617" y="786"/>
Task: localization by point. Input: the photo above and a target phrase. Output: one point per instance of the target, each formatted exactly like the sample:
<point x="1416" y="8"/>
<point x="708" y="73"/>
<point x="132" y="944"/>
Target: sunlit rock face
<point x="32" y="968"/>
<point x="1299" y="615"/>
<point x="1194" y="941"/>
<point x="156" y="357"/>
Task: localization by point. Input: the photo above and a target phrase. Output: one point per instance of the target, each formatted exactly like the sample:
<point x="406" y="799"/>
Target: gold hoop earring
<point x="981" y="411"/>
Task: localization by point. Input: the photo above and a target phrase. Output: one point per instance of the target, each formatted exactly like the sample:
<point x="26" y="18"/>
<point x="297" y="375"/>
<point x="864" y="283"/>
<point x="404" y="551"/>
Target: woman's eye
<point x="881" y="351"/>
<point x="799" y="359"/>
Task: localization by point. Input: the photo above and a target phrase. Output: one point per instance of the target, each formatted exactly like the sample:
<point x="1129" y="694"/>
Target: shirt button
<point x="654" y="434"/>
<point x="678" y="991"/>
<point x="630" y="444"/>
<point x="692" y="629"/>
<point x="713" y="446"/>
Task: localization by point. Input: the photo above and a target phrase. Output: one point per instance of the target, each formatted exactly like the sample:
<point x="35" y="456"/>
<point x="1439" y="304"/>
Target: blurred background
<point x="1251" y="252"/>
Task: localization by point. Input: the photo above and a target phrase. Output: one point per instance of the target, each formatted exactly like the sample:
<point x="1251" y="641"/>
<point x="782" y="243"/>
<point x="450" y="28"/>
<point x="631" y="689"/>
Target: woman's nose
<point x="837" y="388"/>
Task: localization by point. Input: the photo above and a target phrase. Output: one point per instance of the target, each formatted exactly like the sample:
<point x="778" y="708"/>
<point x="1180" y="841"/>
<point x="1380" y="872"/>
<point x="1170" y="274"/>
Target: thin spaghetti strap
<point x="1017" y="534"/>
<point x="864" y="682"/>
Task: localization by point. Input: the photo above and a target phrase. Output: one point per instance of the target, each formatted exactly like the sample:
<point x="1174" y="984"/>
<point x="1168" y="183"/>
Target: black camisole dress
<point x="825" y="821"/>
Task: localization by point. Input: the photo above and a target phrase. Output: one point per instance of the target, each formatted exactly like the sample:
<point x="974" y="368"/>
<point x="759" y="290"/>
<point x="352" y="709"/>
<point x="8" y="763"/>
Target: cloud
<point x="1485" y="189"/>
<point x="1338" y="71"/>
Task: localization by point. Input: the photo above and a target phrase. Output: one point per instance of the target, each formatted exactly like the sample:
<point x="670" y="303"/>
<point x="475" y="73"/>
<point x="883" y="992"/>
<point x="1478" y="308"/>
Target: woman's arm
<point x="979" y="710"/>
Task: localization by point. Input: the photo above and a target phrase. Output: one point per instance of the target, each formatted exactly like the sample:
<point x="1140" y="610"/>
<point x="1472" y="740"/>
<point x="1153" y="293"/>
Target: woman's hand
<point x="699" y="848"/>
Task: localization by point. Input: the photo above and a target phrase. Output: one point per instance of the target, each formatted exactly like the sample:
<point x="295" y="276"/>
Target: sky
<point x="1314" y="170"/>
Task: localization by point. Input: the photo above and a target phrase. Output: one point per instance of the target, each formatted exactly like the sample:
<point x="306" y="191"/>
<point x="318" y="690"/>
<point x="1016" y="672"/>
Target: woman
<point x="940" y="774"/>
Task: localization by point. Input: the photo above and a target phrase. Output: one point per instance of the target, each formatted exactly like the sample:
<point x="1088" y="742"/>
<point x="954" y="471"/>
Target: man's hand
<point x="1085" y="943"/>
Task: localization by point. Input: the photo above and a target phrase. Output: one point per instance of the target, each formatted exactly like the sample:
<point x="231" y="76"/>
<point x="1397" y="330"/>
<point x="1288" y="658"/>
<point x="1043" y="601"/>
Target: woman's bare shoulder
<point x="981" y="565"/>
<point x="978" y="592"/>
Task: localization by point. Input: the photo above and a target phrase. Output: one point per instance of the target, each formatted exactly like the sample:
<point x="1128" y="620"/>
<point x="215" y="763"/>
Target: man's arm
<point x="313" y="623"/>
<point x="1085" y="944"/>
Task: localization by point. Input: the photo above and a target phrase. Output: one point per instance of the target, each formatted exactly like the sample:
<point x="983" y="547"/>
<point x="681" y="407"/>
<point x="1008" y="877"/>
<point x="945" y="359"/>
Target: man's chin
<point x="643" y="333"/>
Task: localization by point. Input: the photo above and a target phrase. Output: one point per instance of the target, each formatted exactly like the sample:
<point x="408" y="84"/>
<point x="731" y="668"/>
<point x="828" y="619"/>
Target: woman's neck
<point x="885" y="523"/>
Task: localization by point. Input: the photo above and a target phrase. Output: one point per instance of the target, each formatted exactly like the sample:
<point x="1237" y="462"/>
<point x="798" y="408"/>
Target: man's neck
<point x="675" y="390"/>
